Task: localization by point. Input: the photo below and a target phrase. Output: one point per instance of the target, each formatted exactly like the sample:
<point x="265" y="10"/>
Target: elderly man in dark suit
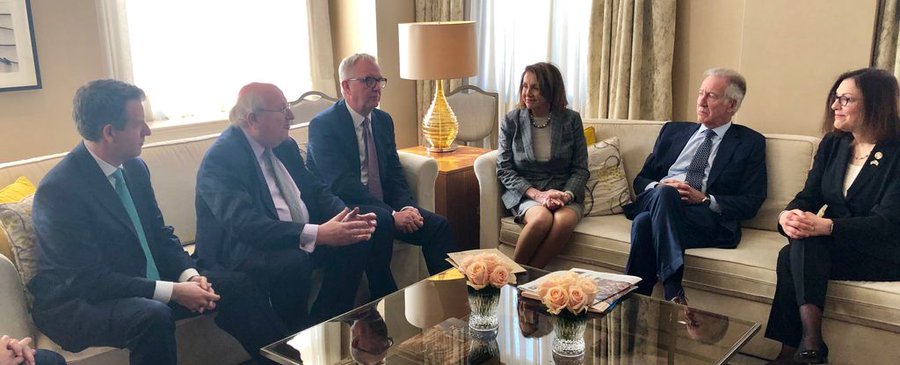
<point x="352" y="148"/>
<point x="111" y="273"/>
<point x="259" y="211"/>
<point x="696" y="186"/>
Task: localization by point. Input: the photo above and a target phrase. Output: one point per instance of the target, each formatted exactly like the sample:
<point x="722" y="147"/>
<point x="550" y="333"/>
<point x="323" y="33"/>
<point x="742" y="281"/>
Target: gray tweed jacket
<point x="517" y="168"/>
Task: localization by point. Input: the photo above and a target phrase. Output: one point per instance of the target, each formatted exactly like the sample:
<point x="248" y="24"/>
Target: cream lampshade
<point x="438" y="51"/>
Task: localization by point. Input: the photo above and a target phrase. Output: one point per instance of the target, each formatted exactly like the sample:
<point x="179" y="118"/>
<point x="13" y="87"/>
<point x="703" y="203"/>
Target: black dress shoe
<point x="812" y="356"/>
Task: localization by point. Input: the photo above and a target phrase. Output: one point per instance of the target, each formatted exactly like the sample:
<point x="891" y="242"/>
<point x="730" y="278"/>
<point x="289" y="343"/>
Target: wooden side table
<point x="456" y="191"/>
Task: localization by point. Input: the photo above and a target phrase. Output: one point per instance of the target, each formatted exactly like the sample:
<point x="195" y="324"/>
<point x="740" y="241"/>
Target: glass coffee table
<point x="426" y="323"/>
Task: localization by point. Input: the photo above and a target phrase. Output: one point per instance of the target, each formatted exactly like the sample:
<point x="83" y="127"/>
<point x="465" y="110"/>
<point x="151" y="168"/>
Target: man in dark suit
<point x="696" y="186"/>
<point x="260" y="212"/>
<point x="352" y="148"/>
<point x="111" y="273"/>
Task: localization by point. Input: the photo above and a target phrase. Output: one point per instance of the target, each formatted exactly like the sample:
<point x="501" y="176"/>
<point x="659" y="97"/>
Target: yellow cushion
<point x="15" y="222"/>
<point x="16" y="191"/>
<point x="13" y="193"/>
<point x="590" y="137"/>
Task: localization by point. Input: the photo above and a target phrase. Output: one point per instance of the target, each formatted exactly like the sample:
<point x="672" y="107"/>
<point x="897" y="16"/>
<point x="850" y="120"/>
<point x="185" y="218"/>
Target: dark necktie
<point x="374" y="181"/>
<point x="125" y="196"/>
<point x="697" y="169"/>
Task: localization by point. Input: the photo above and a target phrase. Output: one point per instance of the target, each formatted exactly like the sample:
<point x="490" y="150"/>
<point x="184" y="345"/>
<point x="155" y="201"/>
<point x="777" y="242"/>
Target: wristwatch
<point x="705" y="199"/>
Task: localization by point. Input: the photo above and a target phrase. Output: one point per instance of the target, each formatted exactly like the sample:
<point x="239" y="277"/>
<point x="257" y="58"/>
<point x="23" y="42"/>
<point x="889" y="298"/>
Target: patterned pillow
<point x="606" y="190"/>
<point x="15" y="219"/>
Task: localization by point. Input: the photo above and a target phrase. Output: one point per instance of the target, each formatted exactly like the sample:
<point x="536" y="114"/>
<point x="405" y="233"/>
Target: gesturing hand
<point x="346" y="228"/>
<point x="191" y="295"/>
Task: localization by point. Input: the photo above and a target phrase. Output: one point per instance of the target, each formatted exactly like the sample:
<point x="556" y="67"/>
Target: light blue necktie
<point x="125" y="197"/>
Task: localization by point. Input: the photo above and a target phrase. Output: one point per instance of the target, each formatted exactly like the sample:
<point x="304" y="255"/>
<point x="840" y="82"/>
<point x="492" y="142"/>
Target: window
<point x="192" y="57"/>
<point x="514" y="34"/>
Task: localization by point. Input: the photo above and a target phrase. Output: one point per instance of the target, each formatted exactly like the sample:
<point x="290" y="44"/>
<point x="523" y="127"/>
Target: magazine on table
<point x="610" y="287"/>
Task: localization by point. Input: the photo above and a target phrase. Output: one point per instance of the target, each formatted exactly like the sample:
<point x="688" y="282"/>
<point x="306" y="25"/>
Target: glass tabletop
<point x="426" y="323"/>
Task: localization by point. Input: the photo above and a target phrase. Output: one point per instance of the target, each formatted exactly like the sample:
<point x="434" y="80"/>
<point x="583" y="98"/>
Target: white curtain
<point x="191" y="57"/>
<point x="512" y="35"/>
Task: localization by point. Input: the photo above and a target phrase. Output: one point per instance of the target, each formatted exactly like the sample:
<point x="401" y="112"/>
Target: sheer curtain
<point x="512" y="35"/>
<point x="191" y="57"/>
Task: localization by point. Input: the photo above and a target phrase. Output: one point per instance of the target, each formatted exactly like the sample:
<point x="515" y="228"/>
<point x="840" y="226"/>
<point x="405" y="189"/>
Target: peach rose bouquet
<point x="486" y="269"/>
<point x="567" y="290"/>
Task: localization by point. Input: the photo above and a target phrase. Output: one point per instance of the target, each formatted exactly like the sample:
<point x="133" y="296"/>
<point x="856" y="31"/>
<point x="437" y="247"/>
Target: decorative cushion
<point x="16" y="191"/>
<point x="606" y="190"/>
<point x="590" y="136"/>
<point x="15" y="221"/>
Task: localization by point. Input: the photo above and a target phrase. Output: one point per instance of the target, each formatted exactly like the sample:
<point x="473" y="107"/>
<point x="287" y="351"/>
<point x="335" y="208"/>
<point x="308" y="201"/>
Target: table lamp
<point x="438" y="51"/>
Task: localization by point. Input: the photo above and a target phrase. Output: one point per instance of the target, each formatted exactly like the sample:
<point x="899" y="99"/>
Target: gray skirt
<point x="518" y="211"/>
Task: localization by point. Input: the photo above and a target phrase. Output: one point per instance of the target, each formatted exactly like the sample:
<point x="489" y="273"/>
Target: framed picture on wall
<point x="18" y="54"/>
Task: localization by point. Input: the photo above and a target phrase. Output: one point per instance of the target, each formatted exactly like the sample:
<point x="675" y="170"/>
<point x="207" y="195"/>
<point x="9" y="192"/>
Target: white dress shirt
<point x="163" y="289"/>
<point x="310" y="231"/>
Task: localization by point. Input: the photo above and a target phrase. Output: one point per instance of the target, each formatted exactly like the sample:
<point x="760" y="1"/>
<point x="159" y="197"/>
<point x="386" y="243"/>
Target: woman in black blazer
<point x="542" y="162"/>
<point x="855" y="184"/>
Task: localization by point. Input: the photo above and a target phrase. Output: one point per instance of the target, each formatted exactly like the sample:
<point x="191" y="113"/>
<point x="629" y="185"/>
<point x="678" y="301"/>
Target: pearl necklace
<point x="539" y="126"/>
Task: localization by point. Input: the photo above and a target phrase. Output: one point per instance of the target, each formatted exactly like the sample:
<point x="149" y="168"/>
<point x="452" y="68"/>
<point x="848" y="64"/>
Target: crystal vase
<point x="569" y="329"/>
<point x="483" y="305"/>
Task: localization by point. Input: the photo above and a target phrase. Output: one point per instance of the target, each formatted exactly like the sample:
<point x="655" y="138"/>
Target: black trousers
<point x="147" y="327"/>
<point x="804" y="268"/>
<point x="662" y="228"/>
<point x="435" y="237"/>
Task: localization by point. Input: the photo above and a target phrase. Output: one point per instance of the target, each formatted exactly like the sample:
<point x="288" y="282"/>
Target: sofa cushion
<point x="15" y="222"/>
<point x="788" y="159"/>
<point x="747" y="271"/>
<point x="606" y="190"/>
<point x="16" y="191"/>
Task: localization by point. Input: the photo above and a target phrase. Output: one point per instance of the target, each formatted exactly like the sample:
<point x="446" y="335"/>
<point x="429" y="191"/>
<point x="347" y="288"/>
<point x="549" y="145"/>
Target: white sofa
<point x="173" y="168"/>
<point x="862" y="319"/>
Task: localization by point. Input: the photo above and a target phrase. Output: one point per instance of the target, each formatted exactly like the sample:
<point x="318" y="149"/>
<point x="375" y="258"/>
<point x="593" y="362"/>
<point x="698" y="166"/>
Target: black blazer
<point x="868" y="219"/>
<point x="236" y="216"/>
<point x="737" y="178"/>
<point x="88" y="247"/>
<point x="334" y="157"/>
<point x="517" y="168"/>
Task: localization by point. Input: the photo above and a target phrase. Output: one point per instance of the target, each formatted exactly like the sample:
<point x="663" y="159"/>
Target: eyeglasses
<point x="285" y="111"/>
<point x="844" y="99"/>
<point x="371" y="81"/>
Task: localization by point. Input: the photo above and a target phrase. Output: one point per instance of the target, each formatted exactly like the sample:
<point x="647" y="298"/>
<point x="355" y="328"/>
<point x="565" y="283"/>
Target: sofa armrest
<point x="421" y="174"/>
<point x="491" y="206"/>
<point x="15" y="320"/>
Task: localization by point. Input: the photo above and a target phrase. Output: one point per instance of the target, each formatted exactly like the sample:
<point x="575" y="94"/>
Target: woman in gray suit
<point x="542" y="163"/>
